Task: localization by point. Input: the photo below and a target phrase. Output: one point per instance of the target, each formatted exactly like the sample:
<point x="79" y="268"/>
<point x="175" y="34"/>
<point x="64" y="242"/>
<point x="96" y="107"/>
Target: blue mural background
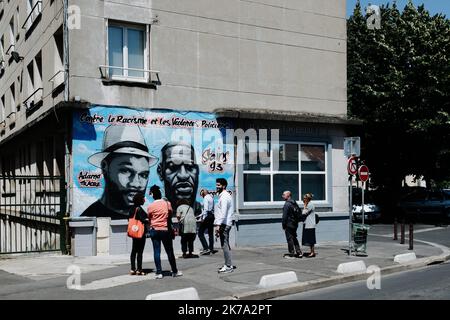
<point x="158" y="127"/>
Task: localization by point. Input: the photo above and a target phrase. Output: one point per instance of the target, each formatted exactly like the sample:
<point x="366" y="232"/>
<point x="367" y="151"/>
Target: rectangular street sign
<point x="352" y="146"/>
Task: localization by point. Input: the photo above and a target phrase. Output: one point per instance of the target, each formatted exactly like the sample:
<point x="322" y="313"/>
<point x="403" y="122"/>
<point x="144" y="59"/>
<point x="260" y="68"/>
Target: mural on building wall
<point x="118" y="152"/>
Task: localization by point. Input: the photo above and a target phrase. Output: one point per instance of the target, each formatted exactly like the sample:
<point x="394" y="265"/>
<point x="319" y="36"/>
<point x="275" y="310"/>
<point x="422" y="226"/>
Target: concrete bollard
<point x="272" y="280"/>
<point x="182" y="294"/>
<point x="404" y="258"/>
<point x="352" y="267"/>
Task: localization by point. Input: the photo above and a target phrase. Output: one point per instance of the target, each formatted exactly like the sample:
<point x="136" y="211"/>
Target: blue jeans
<point x="163" y="236"/>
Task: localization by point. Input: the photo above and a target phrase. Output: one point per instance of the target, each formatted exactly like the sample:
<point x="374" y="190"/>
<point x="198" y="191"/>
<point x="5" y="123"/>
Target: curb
<point x="263" y="294"/>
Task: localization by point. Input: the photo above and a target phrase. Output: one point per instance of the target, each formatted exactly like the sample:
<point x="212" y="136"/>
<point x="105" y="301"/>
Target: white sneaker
<point x="226" y="269"/>
<point x="159" y="276"/>
<point x="178" y="274"/>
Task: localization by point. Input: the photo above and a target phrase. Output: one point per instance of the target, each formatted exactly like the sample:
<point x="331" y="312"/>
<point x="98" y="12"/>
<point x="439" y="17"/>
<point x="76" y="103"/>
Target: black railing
<point x="37" y="5"/>
<point x="32" y="211"/>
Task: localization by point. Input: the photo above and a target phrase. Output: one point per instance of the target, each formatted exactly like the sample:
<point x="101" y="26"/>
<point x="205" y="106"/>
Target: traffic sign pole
<point x="363" y="173"/>
<point x="350" y="215"/>
<point x="362" y="200"/>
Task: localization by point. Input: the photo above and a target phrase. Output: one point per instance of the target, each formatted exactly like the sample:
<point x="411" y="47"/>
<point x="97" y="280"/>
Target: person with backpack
<point x="309" y="227"/>
<point x="290" y="221"/>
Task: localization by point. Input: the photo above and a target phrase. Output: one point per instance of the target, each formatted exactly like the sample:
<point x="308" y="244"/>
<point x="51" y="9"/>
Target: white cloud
<point x="81" y="201"/>
<point x="83" y="149"/>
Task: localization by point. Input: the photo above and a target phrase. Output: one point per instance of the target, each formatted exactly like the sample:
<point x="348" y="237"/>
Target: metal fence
<point x="32" y="211"/>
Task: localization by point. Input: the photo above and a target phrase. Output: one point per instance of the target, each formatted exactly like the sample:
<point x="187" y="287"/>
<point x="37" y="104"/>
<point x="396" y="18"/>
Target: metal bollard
<point x="402" y="232"/>
<point x="411" y="239"/>
<point x="395" y="229"/>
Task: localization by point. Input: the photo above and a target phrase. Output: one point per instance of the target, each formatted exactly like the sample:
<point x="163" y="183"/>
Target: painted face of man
<point x="179" y="173"/>
<point x="125" y="175"/>
<point x="219" y="187"/>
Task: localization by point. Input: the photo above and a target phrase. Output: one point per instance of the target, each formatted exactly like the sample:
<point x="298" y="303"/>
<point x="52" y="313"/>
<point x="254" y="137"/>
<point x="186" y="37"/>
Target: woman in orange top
<point x="159" y="212"/>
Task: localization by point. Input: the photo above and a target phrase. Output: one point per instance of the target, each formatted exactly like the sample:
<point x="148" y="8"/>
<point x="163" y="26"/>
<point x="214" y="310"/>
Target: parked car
<point x="372" y="210"/>
<point x="424" y="204"/>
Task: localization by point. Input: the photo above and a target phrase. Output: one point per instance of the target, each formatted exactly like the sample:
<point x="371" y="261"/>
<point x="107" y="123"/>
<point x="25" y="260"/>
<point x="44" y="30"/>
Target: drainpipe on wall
<point x="68" y="137"/>
<point x="66" y="49"/>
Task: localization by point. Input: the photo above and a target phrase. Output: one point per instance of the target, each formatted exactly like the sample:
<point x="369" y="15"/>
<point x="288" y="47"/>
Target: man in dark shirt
<point x="125" y="164"/>
<point x="289" y="223"/>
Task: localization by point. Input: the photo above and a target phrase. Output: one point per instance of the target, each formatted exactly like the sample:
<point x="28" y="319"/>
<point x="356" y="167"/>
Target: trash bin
<point x="84" y="231"/>
<point x="360" y="237"/>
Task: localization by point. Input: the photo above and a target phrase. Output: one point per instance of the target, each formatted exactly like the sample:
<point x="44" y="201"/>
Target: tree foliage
<point x="399" y="85"/>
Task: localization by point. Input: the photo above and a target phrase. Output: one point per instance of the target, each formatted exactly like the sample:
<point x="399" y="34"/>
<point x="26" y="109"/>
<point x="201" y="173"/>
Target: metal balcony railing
<point x="32" y="14"/>
<point x="105" y="74"/>
<point x="31" y="105"/>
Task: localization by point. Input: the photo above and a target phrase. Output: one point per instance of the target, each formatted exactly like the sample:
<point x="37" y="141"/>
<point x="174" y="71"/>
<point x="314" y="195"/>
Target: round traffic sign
<point x="363" y="173"/>
<point x="352" y="166"/>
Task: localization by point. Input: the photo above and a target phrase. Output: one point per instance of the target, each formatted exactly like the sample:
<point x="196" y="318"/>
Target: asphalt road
<point x="432" y="282"/>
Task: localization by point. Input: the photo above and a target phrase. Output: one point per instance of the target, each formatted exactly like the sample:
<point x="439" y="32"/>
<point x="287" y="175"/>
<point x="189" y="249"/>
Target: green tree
<point x="399" y="85"/>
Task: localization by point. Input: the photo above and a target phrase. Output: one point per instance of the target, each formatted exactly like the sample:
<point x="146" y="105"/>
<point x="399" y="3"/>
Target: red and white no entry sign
<point x="363" y="173"/>
<point x="352" y="167"/>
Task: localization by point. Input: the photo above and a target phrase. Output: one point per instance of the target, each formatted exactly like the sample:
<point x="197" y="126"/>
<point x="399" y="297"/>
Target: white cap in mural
<point x="122" y="139"/>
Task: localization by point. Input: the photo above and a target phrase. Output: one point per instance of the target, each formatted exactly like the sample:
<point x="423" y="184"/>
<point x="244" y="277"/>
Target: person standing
<point x="290" y="225"/>
<point x="223" y="222"/>
<point x="159" y="214"/>
<point x="309" y="227"/>
<point x="188" y="228"/>
<point x="207" y="223"/>
<point x="138" y="213"/>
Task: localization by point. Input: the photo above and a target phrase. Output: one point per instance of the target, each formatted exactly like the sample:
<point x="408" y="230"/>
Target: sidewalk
<point x="109" y="272"/>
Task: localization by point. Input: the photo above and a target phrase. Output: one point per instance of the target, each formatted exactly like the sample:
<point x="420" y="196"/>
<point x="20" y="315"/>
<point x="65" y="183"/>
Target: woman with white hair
<point x="309" y="227"/>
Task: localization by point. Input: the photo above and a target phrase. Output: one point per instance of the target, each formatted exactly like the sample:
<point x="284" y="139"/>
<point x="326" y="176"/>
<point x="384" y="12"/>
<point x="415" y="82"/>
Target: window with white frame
<point x="12" y="100"/>
<point x="12" y="32"/>
<point x="2" y="52"/>
<point x="301" y="169"/>
<point x="17" y="22"/>
<point x="127" y="52"/>
<point x="2" y="110"/>
<point x="34" y="9"/>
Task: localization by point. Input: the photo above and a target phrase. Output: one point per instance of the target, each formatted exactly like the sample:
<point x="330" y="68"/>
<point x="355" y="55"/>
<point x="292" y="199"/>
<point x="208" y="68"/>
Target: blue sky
<point x="434" y="6"/>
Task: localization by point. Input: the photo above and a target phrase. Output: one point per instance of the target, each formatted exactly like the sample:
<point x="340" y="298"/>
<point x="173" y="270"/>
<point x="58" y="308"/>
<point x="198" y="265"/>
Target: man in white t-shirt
<point x="223" y="222"/>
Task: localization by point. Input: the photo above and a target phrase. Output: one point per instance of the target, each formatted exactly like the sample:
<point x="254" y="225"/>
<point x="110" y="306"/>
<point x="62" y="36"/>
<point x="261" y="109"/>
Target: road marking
<point x="445" y="249"/>
<point x="114" y="282"/>
<point x="415" y="231"/>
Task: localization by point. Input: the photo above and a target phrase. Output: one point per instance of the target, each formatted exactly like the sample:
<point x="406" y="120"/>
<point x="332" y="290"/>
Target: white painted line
<point x="114" y="282"/>
<point x="352" y="267"/>
<point x="272" y="280"/>
<point x="407" y="231"/>
<point x="406" y="257"/>
<point x="445" y="250"/>
<point x="182" y="294"/>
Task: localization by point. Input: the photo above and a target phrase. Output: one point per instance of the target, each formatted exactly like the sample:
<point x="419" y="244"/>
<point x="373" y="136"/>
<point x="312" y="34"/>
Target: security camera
<point x="16" y="57"/>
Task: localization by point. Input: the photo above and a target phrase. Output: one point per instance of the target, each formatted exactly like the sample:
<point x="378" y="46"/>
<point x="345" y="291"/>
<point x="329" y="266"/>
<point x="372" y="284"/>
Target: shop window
<point x="301" y="169"/>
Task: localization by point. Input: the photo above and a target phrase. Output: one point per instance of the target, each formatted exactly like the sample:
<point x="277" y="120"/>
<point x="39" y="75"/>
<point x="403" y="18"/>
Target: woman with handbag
<point x="309" y="226"/>
<point x="188" y="227"/>
<point x="139" y="218"/>
<point x="160" y="216"/>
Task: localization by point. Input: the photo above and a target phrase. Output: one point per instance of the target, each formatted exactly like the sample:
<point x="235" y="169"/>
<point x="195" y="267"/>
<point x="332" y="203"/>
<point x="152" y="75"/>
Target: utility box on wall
<point x="84" y="231"/>
<point x="119" y="242"/>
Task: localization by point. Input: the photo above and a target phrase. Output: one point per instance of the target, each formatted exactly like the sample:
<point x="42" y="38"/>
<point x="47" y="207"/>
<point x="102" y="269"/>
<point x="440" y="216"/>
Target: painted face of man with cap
<point x="124" y="175"/>
<point x="125" y="163"/>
